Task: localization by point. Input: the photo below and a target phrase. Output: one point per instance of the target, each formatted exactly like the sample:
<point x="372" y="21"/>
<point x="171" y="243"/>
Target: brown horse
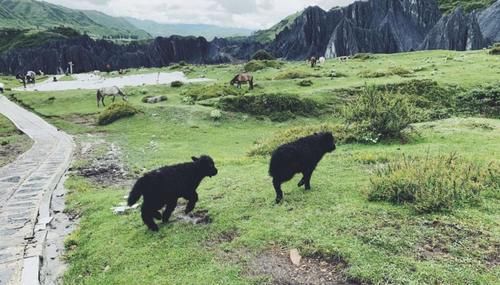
<point x="313" y="61"/>
<point x="243" y="78"/>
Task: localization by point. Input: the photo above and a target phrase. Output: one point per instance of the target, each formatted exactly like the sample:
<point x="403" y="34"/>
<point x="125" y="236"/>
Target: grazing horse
<point x="322" y="60"/>
<point x="243" y="78"/>
<point x="30" y="77"/>
<point x="109" y="91"/>
<point x="313" y="61"/>
<point x="2" y="87"/>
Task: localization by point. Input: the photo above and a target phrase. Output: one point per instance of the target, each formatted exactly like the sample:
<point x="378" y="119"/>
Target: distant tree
<point x="262" y="55"/>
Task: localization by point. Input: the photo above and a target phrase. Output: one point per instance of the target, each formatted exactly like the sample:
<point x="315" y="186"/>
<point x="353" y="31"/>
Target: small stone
<point x="295" y="257"/>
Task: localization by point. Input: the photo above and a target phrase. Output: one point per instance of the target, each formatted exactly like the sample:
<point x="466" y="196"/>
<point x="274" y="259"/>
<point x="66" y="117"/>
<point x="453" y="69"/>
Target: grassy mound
<point x="256" y="65"/>
<point x="484" y="101"/>
<point x="279" y="107"/>
<point x="268" y="145"/>
<point x="433" y="184"/>
<point x="176" y="84"/>
<point x="154" y="99"/>
<point x="295" y="74"/>
<point x="305" y="83"/>
<point x="115" y="112"/>
<point x="263" y="55"/>
<point x="203" y="92"/>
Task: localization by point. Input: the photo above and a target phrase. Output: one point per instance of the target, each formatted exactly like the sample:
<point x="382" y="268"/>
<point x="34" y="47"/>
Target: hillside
<point x="30" y="14"/>
<point x="447" y="6"/>
<point x="207" y="31"/>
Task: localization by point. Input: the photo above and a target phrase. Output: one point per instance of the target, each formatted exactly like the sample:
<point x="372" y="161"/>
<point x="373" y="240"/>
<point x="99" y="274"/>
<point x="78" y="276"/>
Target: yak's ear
<point x="194" y="158"/>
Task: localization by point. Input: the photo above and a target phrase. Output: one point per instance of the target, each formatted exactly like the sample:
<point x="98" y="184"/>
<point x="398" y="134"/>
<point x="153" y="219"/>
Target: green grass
<point x="12" y="142"/>
<point x="469" y="5"/>
<point x="381" y="242"/>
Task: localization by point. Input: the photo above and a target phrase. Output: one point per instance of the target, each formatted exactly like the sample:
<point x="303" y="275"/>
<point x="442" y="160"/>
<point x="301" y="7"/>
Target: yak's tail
<point x="136" y="192"/>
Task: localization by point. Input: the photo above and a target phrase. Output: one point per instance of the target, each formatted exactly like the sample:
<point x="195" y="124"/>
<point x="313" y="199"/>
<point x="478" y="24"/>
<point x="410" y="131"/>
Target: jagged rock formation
<point x="489" y="21"/>
<point x="87" y="55"/>
<point x="456" y="31"/>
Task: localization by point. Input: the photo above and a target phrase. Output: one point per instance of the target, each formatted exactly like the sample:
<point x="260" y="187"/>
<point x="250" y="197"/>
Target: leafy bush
<point x="433" y="184"/>
<point x="269" y="144"/>
<point x="305" y="83"/>
<point x="255" y="65"/>
<point x="176" y="84"/>
<point x="115" y="112"/>
<point x="363" y="56"/>
<point x="295" y="74"/>
<point x="377" y="115"/>
<point x="278" y="106"/>
<point x="262" y="55"/>
<point x="203" y="92"/>
<point x="484" y="101"/>
<point x="495" y="50"/>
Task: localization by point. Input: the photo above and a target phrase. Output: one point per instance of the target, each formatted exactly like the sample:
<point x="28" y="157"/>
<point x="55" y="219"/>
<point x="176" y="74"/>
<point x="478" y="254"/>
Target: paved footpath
<point x="26" y="187"/>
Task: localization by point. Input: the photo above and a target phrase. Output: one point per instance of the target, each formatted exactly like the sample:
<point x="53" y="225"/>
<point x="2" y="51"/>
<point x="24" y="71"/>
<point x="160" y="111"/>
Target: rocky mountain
<point x="207" y="31"/>
<point x="489" y="22"/>
<point x="377" y="26"/>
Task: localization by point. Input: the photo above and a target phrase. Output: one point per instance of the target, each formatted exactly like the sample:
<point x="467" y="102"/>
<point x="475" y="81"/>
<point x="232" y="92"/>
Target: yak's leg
<point x="301" y="182"/>
<point x="307" y="179"/>
<point x="168" y="211"/>
<point x="251" y="84"/>
<point x="98" y="99"/>
<point x="157" y="215"/>
<point x="147" y="217"/>
<point x="277" y="188"/>
<point x="102" y="101"/>
<point x="191" y="204"/>
<point x="114" y="97"/>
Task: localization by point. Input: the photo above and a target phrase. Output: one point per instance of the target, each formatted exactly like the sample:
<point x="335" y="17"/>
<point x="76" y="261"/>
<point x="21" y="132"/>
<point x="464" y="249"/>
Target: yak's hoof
<point x="154" y="228"/>
<point x="278" y="200"/>
<point x="301" y="183"/>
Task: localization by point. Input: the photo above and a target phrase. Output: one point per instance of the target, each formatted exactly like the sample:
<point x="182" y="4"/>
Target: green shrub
<point x="262" y="55"/>
<point x="256" y="65"/>
<point x="295" y="74"/>
<point x="269" y="144"/>
<point x="398" y="70"/>
<point x="372" y="74"/>
<point x="176" y="84"/>
<point x="305" y="83"/>
<point x="433" y="184"/>
<point x="495" y="50"/>
<point x="376" y="115"/>
<point x="363" y="56"/>
<point x="482" y="100"/>
<point x="277" y="106"/>
<point x="115" y="112"/>
<point x="203" y="92"/>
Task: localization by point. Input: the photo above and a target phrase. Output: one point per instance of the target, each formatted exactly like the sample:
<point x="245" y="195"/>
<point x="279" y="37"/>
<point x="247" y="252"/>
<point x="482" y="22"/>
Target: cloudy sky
<point x="253" y="14"/>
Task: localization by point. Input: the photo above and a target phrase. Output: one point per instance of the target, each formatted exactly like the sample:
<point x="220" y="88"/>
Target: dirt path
<point x="91" y="81"/>
<point x="26" y="188"/>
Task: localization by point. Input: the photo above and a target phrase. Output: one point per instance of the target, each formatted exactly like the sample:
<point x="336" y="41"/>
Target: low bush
<point x="372" y="74"/>
<point x="256" y="65"/>
<point x="295" y="74"/>
<point x="377" y="115"/>
<point x="398" y="70"/>
<point x="176" y="84"/>
<point x="495" y="50"/>
<point x="278" y="106"/>
<point x="269" y="144"/>
<point x="115" y="112"/>
<point x="433" y="184"/>
<point x="262" y="55"/>
<point x="305" y="83"/>
<point x="481" y="101"/>
<point x="363" y="56"/>
<point x="203" y="92"/>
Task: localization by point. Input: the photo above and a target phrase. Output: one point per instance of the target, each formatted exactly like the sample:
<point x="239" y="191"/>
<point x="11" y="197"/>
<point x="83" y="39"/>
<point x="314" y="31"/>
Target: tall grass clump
<point x="115" y="112"/>
<point x="295" y="74"/>
<point x="484" y="101"/>
<point x="433" y="184"/>
<point x="377" y="115"/>
<point x="279" y="107"/>
<point x="256" y="65"/>
<point x="203" y="92"/>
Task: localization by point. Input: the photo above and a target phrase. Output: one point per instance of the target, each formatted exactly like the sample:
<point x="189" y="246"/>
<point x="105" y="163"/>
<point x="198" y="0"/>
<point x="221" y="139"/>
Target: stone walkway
<point x="26" y="187"/>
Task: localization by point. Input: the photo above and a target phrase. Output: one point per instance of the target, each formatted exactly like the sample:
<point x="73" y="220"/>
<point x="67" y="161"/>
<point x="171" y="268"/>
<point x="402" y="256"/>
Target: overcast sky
<point x="252" y="14"/>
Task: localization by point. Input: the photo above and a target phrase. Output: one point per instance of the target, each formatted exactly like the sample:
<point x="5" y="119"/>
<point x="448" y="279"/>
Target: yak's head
<point x="207" y="165"/>
<point x="327" y="141"/>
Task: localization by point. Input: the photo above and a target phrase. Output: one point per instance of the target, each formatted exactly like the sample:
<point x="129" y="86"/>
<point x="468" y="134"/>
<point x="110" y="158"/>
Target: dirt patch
<point x="197" y="217"/>
<point x="277" y="265"/>
<point x="101" y="162"/>
<point x="11" y="149"/>
<point x="83" y="120"/>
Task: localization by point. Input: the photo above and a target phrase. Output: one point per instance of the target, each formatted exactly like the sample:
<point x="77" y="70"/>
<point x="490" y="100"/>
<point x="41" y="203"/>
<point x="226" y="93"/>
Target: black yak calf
<point x="164" y="186"/>
<point x="300" y="156"/>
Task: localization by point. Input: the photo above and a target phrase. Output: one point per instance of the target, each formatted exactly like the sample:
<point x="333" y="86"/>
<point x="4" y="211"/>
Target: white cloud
<point x="253" y="14"/>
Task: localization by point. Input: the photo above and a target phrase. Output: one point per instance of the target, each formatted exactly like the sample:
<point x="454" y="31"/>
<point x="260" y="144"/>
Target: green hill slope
<point x="30" y="14"/>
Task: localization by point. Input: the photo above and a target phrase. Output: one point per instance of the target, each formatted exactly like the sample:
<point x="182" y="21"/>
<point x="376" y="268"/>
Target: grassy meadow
<point x="376" y="242"/>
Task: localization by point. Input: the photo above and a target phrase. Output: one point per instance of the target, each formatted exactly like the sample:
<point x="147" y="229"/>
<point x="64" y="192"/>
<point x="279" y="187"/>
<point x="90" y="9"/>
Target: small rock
<point x="295" y="257"/>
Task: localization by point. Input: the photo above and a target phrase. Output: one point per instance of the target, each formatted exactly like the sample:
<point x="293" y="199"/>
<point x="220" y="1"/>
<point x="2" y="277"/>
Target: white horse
<point x="2" y="88"/>
<point x="110" y="92"/>
<point x="322" y="60"/>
